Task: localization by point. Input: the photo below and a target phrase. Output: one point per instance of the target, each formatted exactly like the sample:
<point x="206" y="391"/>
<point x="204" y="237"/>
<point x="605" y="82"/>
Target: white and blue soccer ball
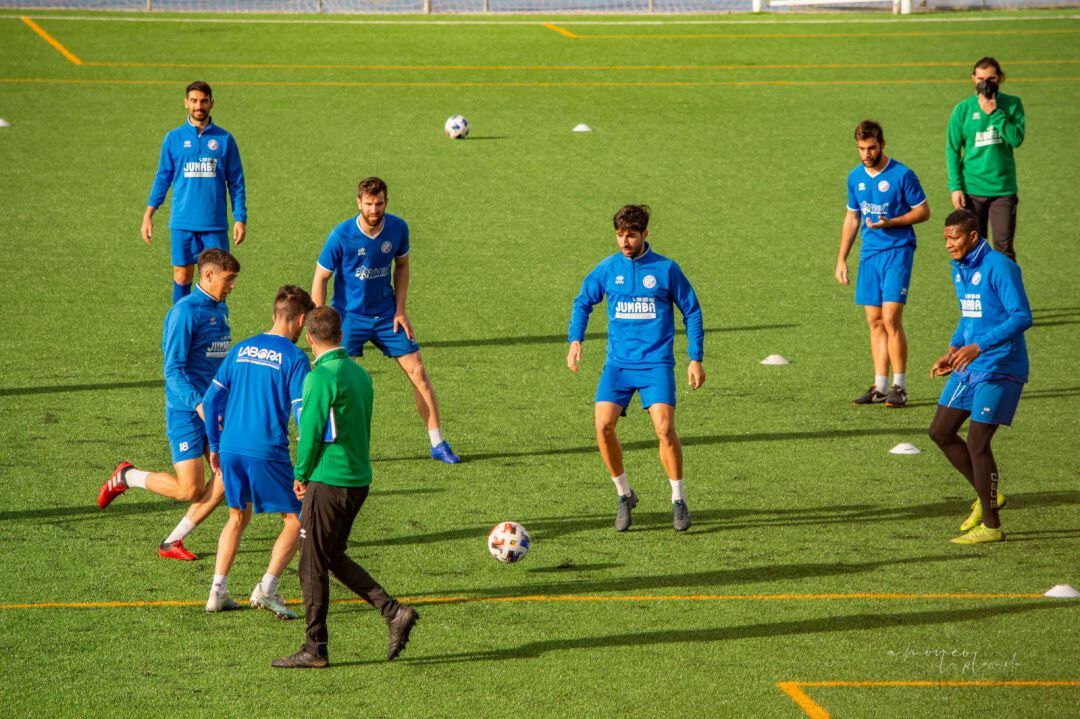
<point x="456" y="128"/>
<point x="508" y="542"/>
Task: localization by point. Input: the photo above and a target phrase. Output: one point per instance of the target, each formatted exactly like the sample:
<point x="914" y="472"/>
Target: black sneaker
<point x="897" y="397"/>
<point x="680" y="516"/>
<point x="872" y="396"/>
<point x="400" y="625"/>
<point x="301" y="660"/>
<point x="622" y="516"/>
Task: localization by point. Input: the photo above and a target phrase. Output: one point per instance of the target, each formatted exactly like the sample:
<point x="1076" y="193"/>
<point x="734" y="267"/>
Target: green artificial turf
<point x="740" y="139"/>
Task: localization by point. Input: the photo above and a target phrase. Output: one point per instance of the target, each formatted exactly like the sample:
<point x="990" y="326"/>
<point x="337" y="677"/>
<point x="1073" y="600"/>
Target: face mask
<point x="987" y="88"/>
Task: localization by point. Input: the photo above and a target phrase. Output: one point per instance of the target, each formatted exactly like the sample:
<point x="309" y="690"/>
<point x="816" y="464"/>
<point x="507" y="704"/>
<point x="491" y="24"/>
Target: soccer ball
<point x="456" y="128"/>
<point x="508" y="542"/>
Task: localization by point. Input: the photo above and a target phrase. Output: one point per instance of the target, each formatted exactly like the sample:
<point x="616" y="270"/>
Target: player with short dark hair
<point x="884" y="200"/>
<point x="359" y="255"/>
<point x="983" y="131"/>
<point x="247" y="410"/>
<point x="988" y="361"/>
<point x="642" y="288"/>
<point x="201" y="162"/>
<point x="195" y="340"/>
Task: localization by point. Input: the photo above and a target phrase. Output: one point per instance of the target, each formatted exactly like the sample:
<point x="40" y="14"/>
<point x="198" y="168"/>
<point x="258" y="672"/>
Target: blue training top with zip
<point x="362" y="265"/>
<point x="195" y="340"/>
<point x="201" y="168"/>
<point x="257" y="387"/>
<point x="994" y="313"/>
<point x="641" y="294"/>
<point x="893" y="192"/>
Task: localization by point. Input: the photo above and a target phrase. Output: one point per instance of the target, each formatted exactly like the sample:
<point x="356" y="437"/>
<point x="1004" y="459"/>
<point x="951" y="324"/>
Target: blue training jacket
<point x="257" y="387"/>
<point x="994" y="312"/>
<point x="200" y="169"/>
<point x="195" y="341"/>
<point x="641" y="322"/>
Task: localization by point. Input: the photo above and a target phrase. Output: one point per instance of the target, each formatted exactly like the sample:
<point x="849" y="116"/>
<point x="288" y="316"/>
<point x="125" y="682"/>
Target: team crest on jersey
<point x="862" y="186"/>
<point x="649" y="282"/>
<point x="976" y="278"/>
<point x="212" y="144"/>
<point x="957" y="276"/>
<point x="619" y="279"/>
<point x="883" y="186"/>
<point x="386" y="246"/>
<point x="187" y="143"/>
<point x="361" y="252"/>
<point x="976" y="116"/>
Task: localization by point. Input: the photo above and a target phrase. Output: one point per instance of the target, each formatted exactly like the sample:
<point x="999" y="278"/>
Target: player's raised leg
<point x="671" y="457"/>
<point x="427" y="405"/>
<point x="228" y="544"/>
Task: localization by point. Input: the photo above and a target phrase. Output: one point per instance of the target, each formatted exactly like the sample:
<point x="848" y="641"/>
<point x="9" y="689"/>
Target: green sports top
<point x="335" y="423"/>
<point x="979" y="148"/>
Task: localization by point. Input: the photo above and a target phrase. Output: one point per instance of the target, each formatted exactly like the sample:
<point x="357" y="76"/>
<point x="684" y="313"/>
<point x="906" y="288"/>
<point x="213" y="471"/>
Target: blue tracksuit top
<point x="994" y="312"/>
<point x="641" y="322"/>
<point x="200" y="169"/>
<point x="195" y="341"/>
<point x="257" y="387"/>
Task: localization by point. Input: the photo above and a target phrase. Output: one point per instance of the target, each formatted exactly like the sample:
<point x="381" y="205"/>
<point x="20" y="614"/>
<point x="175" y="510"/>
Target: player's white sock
<point x="269" y="583"/>
<point x="622" y="485"/>
<point x="220" y="584"/>
<point x="676" y="490"/>
<point x="900" y="379"/>
<point x="881" y="383"/>
<point x="436" y="437"/>
<point x="136" y="478"/>
<point x="182" y="530"/>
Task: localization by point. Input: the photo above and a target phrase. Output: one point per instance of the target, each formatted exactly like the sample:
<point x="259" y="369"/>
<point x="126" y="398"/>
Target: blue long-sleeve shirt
<point x="994" y="312"/>
<point x="195" y="340"/>
<point x="201" y="169"/>
<point x="641" y="294"/>
<point x="257" y="387"/>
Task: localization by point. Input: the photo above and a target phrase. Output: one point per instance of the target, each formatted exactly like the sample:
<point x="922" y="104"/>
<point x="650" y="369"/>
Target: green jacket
<point x="979" y="147"/>
<point x="335" y="423"/>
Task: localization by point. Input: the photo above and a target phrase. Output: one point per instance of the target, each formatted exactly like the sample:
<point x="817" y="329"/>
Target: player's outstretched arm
<point x="848" y="230"/>
<point x="401" y="295"/>
<point x="592" y="291"/>
<point x="162" y="181"/>
<point x="318" y="285"/>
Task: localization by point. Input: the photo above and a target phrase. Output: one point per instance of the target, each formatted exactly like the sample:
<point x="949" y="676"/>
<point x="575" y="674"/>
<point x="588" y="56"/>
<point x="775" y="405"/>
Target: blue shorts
<point x="266" y="484"/>
<point x="188" y="245"/>
<point x="379" y="331"/>
<point x="655" y="385"/>
<point x="186" y="434"/>
<point x="991" y="401"/>
<point x="884" y="277"/>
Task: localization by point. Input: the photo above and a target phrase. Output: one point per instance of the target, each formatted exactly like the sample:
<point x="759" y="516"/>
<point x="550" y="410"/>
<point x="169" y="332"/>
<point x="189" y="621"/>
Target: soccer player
<point x="247" y="410"/>
<point x="196" y="339"/>
<point x="983" y="131"/>
<point x="202" y="163"/>
<point x="884" y="200"/>
<point x="642" y="287"/>
<point x="332" y="477"/>
<point x="359" y="254"/>
<point x="988" y="361"/>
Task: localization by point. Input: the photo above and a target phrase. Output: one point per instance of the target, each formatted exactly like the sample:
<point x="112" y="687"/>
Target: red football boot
<point x="175" y="550"/>
<point x="114" y="487"/>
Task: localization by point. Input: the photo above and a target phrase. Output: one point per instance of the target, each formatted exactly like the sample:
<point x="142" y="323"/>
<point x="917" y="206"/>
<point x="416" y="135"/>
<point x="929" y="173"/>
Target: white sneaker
<point x="271" y="602"/>
<point x="221" y="602"/>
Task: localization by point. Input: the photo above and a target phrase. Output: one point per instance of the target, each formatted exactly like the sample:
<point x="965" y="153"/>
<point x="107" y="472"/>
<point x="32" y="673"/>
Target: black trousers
<point x="327" y="518"/>
<point x="997" y="216"/>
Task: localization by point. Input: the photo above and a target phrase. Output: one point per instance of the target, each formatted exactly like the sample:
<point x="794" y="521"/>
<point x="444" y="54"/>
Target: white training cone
<point x="775" y="359"/>
<point x="582" y="128"/>
<point x="905" y="448"/>
<point x="4" y="123"/>
<point x="1063" y="591"/>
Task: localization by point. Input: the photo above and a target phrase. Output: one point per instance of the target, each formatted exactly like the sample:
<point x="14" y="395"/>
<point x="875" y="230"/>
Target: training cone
<point x="1062" y="591"/>
<point x="775" y="359"/>
<point x="4" y="123"/>
<point x="905" y="448"/>
<point x="582" y="128"/>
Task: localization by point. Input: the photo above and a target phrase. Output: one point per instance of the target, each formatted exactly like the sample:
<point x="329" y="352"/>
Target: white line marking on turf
<point x="537" y="21"/>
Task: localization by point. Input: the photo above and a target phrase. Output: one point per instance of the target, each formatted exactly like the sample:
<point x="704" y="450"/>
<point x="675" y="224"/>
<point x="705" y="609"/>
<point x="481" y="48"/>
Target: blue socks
<point x="180" y="291"/>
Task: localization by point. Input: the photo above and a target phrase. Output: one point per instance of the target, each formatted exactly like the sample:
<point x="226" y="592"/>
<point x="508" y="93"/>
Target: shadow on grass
<point x="60" y="388"/>
<point x="561" y="338"/>
<point x="1027" y="396"/>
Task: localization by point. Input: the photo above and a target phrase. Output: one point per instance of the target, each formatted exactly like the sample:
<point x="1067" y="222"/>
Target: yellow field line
<point x="71" y="57"/>
<point x="803" y="35"/>
<point x="814" y="710"/>
<point x="506" y="84"/>
<point x="563" y="598"/>
<point x="561" y="30"/>
<point x="574" y="68"/>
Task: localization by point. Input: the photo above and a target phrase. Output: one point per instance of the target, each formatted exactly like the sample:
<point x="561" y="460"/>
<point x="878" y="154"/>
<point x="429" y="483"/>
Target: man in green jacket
<point x="983" y="131"/>
<point x="332" y="478"/>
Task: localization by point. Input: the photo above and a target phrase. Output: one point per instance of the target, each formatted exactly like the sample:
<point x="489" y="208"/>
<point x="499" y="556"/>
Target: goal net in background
<point x="553" y="7"/>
